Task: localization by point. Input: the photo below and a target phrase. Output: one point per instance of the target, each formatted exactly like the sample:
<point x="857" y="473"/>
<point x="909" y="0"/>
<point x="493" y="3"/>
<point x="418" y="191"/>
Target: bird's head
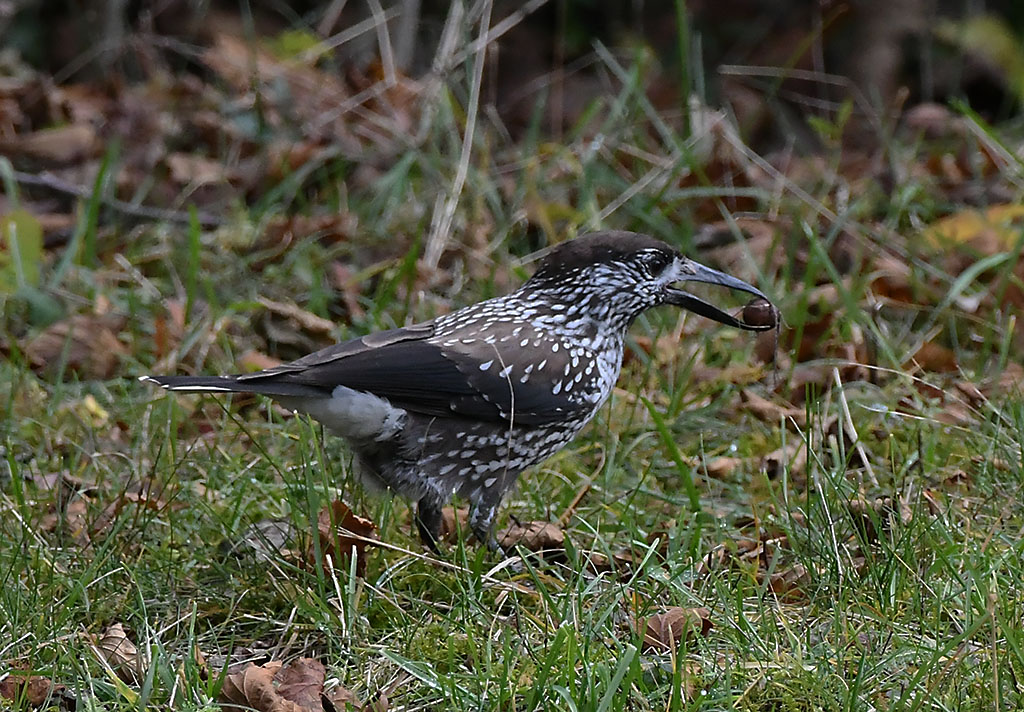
<point x="624" y="273"/>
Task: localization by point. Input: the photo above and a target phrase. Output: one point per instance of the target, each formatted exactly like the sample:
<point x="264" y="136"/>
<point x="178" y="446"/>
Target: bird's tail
<point x="232" y="384"/>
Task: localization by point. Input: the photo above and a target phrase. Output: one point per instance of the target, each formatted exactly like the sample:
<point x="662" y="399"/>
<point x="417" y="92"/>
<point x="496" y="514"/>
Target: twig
<point x="851" y="430"/>
<point x="51" y="182"/>
<point x="571" y="509"/>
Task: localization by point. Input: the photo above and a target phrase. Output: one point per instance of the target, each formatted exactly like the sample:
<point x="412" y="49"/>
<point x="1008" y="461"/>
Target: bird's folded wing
<point x="425" y="377"/>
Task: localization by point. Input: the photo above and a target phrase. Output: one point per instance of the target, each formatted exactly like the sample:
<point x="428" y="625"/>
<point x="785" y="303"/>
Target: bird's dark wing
<point x="346" y="349"/>
<point x="430" y="377"/>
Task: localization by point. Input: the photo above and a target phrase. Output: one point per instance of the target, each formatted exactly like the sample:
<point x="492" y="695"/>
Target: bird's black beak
<point x="690" y="271"/>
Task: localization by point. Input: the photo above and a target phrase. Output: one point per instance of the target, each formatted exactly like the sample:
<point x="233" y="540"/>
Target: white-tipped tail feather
<point x="187" y="388"/>
<point x="356" y="415"/>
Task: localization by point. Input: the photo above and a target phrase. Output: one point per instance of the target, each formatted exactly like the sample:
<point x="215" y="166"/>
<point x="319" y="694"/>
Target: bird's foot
<point x="428" y="523"/>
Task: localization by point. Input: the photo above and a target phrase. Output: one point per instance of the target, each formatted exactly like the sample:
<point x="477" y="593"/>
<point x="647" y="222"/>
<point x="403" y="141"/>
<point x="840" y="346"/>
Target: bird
<point x="464" y="403"/>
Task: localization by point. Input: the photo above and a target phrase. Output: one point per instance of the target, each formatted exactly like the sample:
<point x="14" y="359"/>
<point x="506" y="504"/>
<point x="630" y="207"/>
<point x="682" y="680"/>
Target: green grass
<point x="152" y="522"/>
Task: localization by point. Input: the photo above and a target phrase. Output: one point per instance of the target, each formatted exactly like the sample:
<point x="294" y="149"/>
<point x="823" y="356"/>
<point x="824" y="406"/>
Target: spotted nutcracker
<point x="463" y="403"/>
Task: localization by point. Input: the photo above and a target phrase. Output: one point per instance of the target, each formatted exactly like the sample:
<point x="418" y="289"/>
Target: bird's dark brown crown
<point x="597" y="248"/>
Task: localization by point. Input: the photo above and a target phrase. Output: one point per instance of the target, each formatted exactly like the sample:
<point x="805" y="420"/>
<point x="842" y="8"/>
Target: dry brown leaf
<point x="283" y="231"/>
<point x="771" y="412"/>
<point x="34" y="691"/>
<point x="757" y="244"/>
<point x="85" y="344"/>
<point x="343" y="279"/>
<point x="817" y="378"/>
<point x="119" y="652"/>
<point x="766" y="348"/>
<point x="934" y="121"/>
<point x="343" y="533"/>
<point x="295" y="687"/>
<point x="1009" y="381"/>
<point x="995" y="462"/>
<point x="253" y="360"/>
<point x="664" y="631"/>
<point x="883" y="511"/>
<point x="932" y="499"/>
<point x="302" y="682"/>
<point x="307" y="320"/>
<point x="892" y="279"/>
<point x="599" y="563"/>
<point x="169" y="329"/>
<point x="812" y="334"/>
<point x="723" y="467"/>
<point x="289" y="89"/>
<point x="790" y="584"/>
<point x="54" y="147"/>
<point x="342" y="699"/>
<point x="999" y="222"/>
<point x="794" y="455"/>
<point x="71" y="518"/>
<point x="454" y="521"/>
<point x="933" y="357"/>
<point x="192" y="170"/>
<point x="533" y="536"/>
<point x="253" y="689"/>
<point x="959" y="478"/>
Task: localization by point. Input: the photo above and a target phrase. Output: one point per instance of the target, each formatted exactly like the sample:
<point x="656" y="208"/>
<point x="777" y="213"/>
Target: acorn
<point x="760" y="312"/>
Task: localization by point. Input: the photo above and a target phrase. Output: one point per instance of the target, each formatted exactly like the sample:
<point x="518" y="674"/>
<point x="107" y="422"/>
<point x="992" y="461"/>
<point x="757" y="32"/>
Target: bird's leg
<point x="428" y="521"/>
<point x="481" y="521"/>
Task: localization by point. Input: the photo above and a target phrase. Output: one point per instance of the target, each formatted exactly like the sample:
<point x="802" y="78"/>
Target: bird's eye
<point x="655" y="262"/>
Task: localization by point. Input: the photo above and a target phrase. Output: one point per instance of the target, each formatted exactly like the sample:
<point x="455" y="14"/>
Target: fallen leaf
<point x="169" y="329"/>
<point x="84" y="344"/>
<point x="343" y="533"/>
<point x="882" y="512"/>
<point x="34" y="691"/>
<point x="533" y="536"/>
<point x="252" y="688"/>
<point x="959" y="478"/>
<point x="892" y="279"/>
<point x="70" y="519"/>
<point x="933" y="357"/>
<point x="664" y="631"/>
<point x="723" y="467"/>
<point x="1003" y="221"/>
<point x="253" y="360"/>
<point x="306" y="320"/>
<point x="995" y="462"/>
<point x="790" y="584"/>
<point x="343" y="279"/>
<point x="454" y="521"/>
<point x="599" y="563"/>
<point x="187" y="169"/>
<point x="793" y="457"/>
<point x="119" y="652"/>
<point x="302" y="682"/>
<point x="766" y="347"/>
<point x="342" y="699"/>
<point x="771" y="412"/>
<point x="265" y="539"/>
<point x="54" y="147"/>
